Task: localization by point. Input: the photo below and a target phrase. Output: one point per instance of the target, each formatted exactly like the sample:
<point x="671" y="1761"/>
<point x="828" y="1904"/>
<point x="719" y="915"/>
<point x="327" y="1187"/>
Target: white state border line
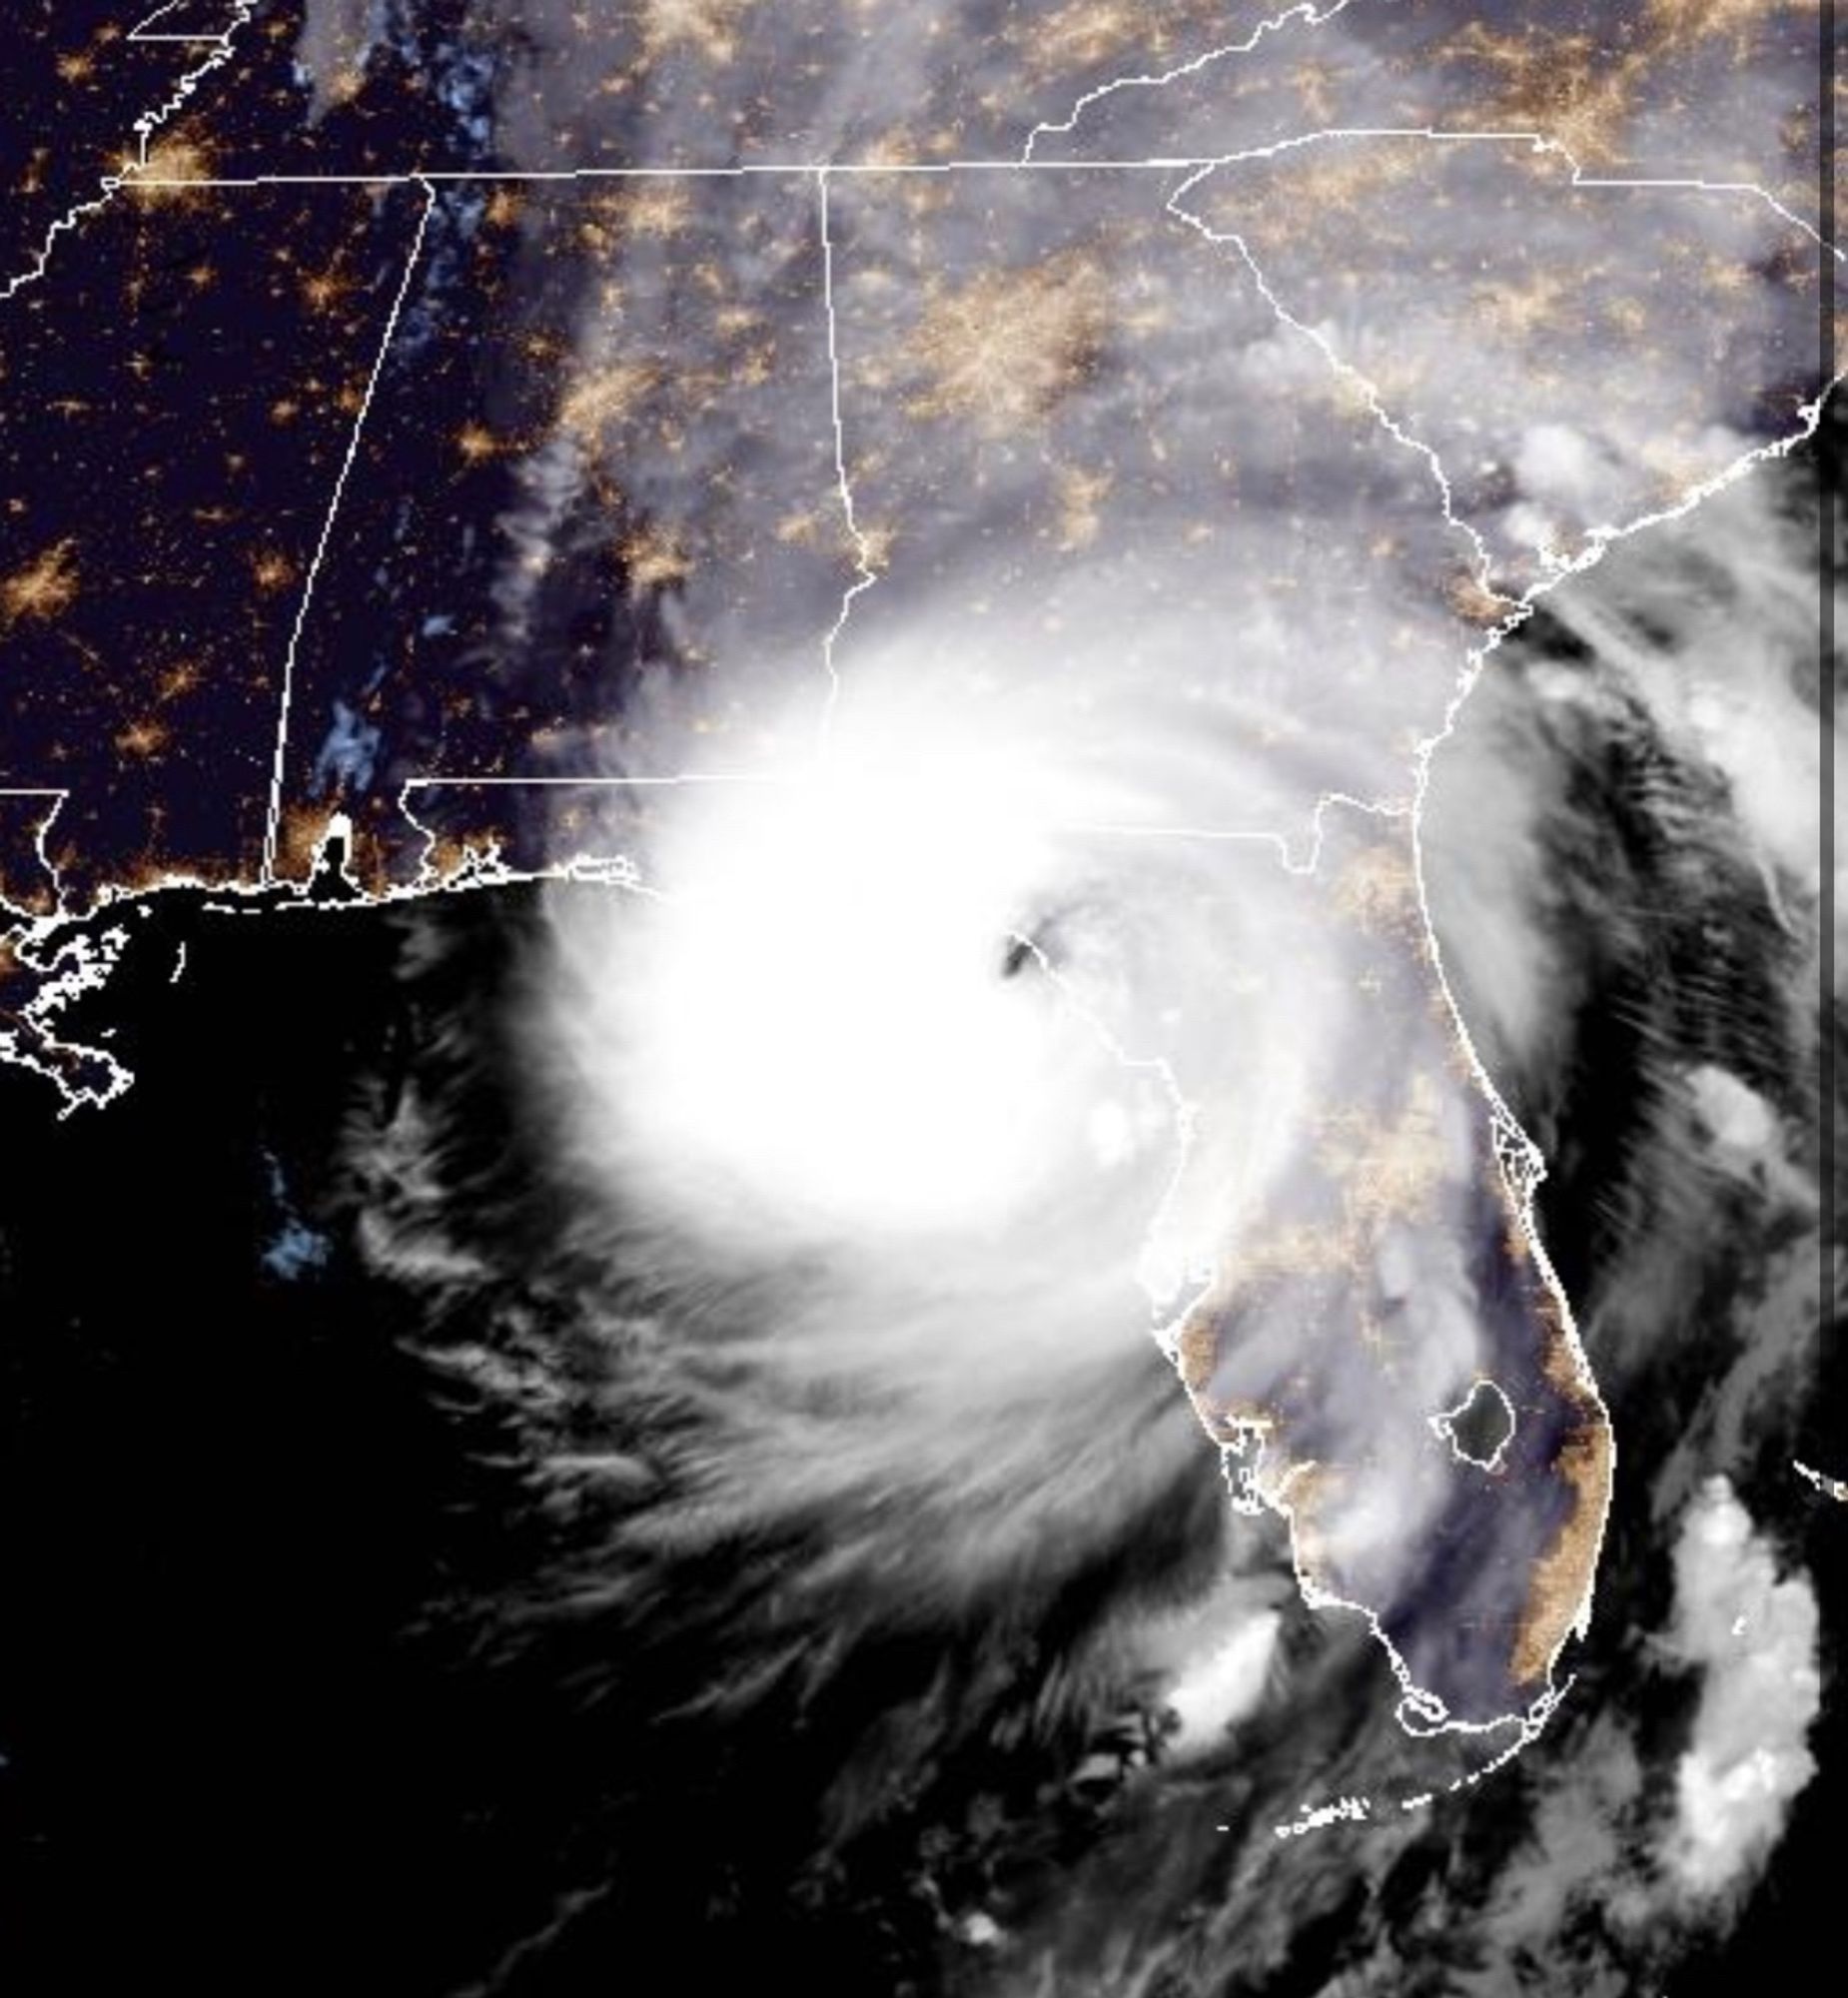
<point x="266" y="875"/>
<point x="1198" y="170"/>
<point x="221" y="47"/>
<point x="1304" y="11"/>
<point x="1198" y="165"/>
<point x="141" y="34"/>
<point x="1280" y="843"/>
<point x="914" y="169"/>
<point x="865" y="574"/>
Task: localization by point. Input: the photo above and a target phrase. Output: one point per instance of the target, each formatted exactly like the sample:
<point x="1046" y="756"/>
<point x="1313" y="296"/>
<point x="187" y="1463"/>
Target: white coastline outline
<point x="1523" y="1165"/>
<point x="304" y="602"/>
<point x="139" y="33"/>
<point x="222" y="47"/>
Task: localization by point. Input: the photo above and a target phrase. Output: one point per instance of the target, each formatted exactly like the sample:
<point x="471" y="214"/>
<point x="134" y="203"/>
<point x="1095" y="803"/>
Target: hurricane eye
<point x="1017" y="952"/>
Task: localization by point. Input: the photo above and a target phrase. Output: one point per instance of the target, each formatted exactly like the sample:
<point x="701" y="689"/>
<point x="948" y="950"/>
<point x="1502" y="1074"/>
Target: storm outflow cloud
<point x="1066" y="572"/>
<point x="1090" y="1266"/>
<point x="1075" y="463"/>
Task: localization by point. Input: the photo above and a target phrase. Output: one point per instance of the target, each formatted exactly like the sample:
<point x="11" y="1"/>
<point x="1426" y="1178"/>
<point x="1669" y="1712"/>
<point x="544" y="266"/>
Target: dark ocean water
<point x="315" y="1676"/>
<point x="382" y="1603"/>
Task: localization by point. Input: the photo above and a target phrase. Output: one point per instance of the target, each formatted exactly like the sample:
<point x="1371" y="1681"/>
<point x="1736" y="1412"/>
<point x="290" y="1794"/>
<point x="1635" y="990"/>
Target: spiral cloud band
<point x="1063" y="571"/>
<point x="963" y="1041"/>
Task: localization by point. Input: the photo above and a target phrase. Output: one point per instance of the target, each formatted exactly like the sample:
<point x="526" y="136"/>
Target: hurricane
<point x="921" y="998"/>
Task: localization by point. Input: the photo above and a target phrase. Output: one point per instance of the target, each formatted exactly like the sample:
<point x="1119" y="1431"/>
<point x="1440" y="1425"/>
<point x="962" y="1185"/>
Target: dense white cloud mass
<point x="1080" y="563"/>
<point x="1754" y="1635"/>
<point x="1091" y="1266"/>
<point x="1052" y="591"/>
